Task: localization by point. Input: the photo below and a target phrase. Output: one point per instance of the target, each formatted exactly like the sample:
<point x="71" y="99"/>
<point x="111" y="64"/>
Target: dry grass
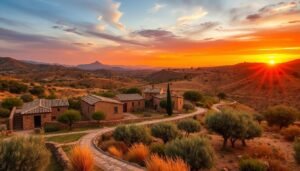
<point x="115" y="152"/>
<point x="263" y="151"/>
<point x="276" y="165"/>
<point x="291" y="132"/>
<point x="156" y="163"/>
<point x="138" y="153"/>
<point x="81" y="159"/>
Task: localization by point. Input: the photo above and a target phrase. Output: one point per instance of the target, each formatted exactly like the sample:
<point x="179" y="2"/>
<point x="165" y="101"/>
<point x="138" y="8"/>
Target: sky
<point x="162" y="33"/>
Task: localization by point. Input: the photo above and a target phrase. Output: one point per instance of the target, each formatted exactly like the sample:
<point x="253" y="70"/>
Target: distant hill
<point x="98" y="66"/>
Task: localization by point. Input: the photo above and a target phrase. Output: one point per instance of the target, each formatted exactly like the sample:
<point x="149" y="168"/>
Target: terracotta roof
<point x="163" y="96"/>
<point x="129" y="97"/>
<point x="153" y="90"/>
<point x="41" y="106"/>
<point x="93" y="99"/>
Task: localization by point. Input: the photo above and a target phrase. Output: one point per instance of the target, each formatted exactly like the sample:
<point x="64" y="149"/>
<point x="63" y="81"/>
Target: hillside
<point x="254" y="84"/>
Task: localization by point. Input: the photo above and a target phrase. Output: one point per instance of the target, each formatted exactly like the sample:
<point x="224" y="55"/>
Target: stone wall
<point x="59" y="154"/>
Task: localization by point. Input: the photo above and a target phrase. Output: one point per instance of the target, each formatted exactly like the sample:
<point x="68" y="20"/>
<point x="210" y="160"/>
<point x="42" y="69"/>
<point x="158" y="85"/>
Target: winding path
<point x="108" y="163"/>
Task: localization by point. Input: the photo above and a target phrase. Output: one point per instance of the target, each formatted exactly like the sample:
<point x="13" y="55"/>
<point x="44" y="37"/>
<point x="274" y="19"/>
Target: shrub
<point x="291" y="132"/>
<point x="281" y="115"/>
<point x="222" y="96"/>
<point x="266" y="152"/>
<point x="23" y="153"/>
<point x="38" y="131"/>
<point x="163" y="104"/>
<point x="74" y="103"/>
<point x="108" y="94"/>
<point x="98" y="116"/>
<point x="196" y="151"/>
<point x="276" y="165"/>
<point x="81" y="159"/>
<point x="138" y="153"/>
<point x="38" y="91"/>
<point x="158" y="148"/>
<point x="189" y="126"/>
<point x="27" y="98"/>
<point x="165" y="131"/>
<point x="118" y="144"/>
<point x="115" y="152"/>
<point x="4" y="113"/>
<point x="297" y="150"/>
<point x="252" y="165"/>
<point x="16" y="87"/>
<point x="233" y="125"/>
<point x="192" y="96"/>
<point x="11" y="102"/>
<point x="132" y="134"/>
<point x="188" y="107"/>
<point x="69" y="117"/>
<point x="132" y="90"/>
<point x="51" y="128"/>
<point x="259" y="117"/>
<point x="156" y="163"/>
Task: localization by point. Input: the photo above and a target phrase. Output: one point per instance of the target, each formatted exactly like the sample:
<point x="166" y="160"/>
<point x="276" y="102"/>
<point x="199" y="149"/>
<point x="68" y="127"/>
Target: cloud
<point x="111" y="14"/>
<point x="155" y="33"/>
<point x="192" y="16"/>
<point x="198" y="28"/>
<point x="157" y="7"/>
<point x="67" y="29"/>
<point x="11" y="22"/>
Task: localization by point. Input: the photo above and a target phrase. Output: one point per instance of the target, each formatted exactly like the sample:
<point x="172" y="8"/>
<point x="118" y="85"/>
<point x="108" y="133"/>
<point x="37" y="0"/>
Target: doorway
<point x="37" y="121"/>
<point x="125" y="107"/>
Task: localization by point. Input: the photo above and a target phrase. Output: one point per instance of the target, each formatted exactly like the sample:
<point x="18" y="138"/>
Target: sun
<point x="272" y="62"/>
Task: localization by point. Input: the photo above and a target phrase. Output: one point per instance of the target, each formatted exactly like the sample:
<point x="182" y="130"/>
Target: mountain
<point x="98" y="66"/>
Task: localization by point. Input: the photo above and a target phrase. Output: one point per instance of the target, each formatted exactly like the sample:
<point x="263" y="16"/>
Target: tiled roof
<point x="92" y="99"/>
<point x="42" y="106"/>
<point x="129" y="97"/>
<point x="163" y="96"/>
<point x="153" y="90"/>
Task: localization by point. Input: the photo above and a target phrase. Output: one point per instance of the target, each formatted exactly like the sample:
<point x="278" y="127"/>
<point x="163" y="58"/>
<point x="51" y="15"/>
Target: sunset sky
<point x="168" y="33"/>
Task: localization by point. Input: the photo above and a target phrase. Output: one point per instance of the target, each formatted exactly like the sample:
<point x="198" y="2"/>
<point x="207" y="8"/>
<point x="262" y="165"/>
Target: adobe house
<point x="176" y="100"/>
<point x="36" y="113"/>
<point x="131" y="102"/>
<point x="152" y="91"/>
<point x="112" y="108"/>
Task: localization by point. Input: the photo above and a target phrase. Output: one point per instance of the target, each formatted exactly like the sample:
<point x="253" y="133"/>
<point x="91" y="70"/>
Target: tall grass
<point x="115" y="152"/>
<point x="138" y="153"/>
<point x="156" y="163"/>
<point x="81" y="159"/>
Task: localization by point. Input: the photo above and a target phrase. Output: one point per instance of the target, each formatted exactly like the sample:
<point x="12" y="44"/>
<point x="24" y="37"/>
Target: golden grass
<point x="156" y="163"/>
<point x="115" y="152"/>
<point x="291" y="132"/>
<point x="263" y="151"/>
<point x="81" y="159"/>
<point x="138" y="153"/>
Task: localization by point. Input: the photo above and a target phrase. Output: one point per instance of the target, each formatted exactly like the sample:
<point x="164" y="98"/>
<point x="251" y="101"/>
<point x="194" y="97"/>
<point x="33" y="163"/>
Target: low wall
<point x="59" y="154"/>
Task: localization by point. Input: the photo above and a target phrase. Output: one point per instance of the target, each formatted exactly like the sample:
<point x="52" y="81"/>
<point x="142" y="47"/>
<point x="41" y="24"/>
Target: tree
<point x="187" y="107"/>
<point x="27" y="98"/>
<point x="38" y="91"/>
<point x="222" y="96"/>
<point x="165" y="131"/>
<point x="74" y="103"/>
<point x="163" y="104"/>
<point x="281" y="115"/>
<point x="11" y="102"/>
<point x="4" y="113"/>
<point x="17" y="88"/>
<point x="193" y="96"/>
<point x="169" y="105"/>
<point x="69" y="117"/>
<point x="133" y="90"/>
<point x="98" y="116"/>
<point x="189" y="126"/>
<point x="233" y="126"/>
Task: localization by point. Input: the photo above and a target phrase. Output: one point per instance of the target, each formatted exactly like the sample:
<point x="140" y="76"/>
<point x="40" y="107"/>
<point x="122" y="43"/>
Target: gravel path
<point x="108" y="163"/>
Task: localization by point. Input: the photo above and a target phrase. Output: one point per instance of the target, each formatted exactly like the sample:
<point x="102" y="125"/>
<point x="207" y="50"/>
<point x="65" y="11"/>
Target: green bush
<point x="233" y="126"/>
<point x="189" y="126"/>
<point x="195" y="151"/>
<point x="132" y="90"/>
<point x="4" y="113"/>
<point x="158" y="148"/>
<point x="23" y="153"/>
<point x="281" y="115"/>
<point x="16" y="87"/>
<point x="252" y="165"/>
<point x="132" y="134"/>
<point x="69" y="117"/>
<point x="108" y="94"/>
<point x="98" y="116"/>
<point x="165" y="131"/>
<point x="38" y="91"/>
<point x="297" y="150"/>
<point x="188" y="107"/>
<point x="11" y="102"/>
<point x="27" y="98"/>
<point x="163" y="104"/>
<point x="51" y="128"/>
<point x="74" y="103"/>
<point x="192" y="96"/>
<point x="259" y="117"/>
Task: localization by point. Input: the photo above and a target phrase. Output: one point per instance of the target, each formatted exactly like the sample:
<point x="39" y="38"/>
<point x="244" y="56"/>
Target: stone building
<point x="176" y="100"/>
<point x="152" y="91"/>
<point x="112" y="108"/>
<point x="36" y="113"/>
<point x="131" y="102"/>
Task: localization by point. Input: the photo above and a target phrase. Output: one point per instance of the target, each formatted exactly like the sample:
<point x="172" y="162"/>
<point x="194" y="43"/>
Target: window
<point x="116" y="109"/>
